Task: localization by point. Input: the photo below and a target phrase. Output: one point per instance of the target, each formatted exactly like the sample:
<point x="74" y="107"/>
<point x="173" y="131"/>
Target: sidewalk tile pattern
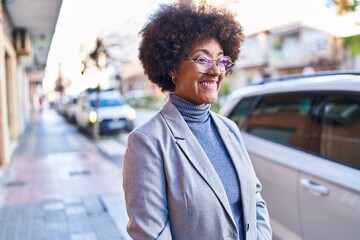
<point x="61" y="175"/>
<point x="60" y="187"/>
<point x="57" y="219"/>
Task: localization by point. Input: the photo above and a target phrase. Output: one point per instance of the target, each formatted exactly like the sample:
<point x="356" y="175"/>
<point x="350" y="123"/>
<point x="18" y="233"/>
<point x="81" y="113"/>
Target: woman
<point x="187" y="174"/>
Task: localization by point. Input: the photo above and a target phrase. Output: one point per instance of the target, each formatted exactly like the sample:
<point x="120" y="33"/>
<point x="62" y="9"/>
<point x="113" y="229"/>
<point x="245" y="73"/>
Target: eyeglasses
<point x="205" y="63"/>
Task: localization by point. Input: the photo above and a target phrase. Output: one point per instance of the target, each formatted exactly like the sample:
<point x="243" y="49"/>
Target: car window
<point x="282" y="118"/>
<point x="340" y="129"/>
<point x="107" y="102"/>
<point x="240" y="112"/>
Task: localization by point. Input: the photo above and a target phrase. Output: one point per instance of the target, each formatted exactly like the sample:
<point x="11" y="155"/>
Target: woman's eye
<point x="224" y="62"/>
<point x="202" y="60"/>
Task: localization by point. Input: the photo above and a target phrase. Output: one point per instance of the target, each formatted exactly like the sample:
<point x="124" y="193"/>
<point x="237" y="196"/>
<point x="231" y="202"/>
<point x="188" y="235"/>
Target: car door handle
<point x="314" y="188"/>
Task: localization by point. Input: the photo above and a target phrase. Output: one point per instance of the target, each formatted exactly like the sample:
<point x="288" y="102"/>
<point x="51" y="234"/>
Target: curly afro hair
<point x="171" y="32"/>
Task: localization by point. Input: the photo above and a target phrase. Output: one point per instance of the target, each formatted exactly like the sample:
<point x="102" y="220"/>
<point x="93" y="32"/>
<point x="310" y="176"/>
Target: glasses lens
<point x="225" y="64"/>
<point x="203" y="64"/>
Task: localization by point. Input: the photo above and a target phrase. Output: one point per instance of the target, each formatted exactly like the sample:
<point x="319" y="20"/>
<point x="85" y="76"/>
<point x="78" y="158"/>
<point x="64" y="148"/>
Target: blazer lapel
<point x="231" y="144"/>
<point x="194" y="152"/>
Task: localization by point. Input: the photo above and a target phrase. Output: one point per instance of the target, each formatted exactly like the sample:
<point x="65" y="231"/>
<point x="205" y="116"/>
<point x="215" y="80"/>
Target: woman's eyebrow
<point x="205" y="51"/>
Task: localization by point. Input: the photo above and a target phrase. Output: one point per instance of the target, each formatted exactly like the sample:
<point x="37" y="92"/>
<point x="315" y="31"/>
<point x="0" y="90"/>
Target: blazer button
<point x="247" y="227"/>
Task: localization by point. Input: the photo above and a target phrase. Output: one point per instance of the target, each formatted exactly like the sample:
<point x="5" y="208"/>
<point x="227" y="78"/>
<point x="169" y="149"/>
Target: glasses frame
<point x="212" y="62"/>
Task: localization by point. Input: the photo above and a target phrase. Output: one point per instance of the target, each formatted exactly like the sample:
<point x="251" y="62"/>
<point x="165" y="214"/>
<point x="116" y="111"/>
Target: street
<point x="62" y="184"/>
<point x="113" y="146"/>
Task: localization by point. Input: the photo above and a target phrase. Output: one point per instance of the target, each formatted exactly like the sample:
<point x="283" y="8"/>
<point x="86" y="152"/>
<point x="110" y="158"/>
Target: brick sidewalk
<point x="57" y="186"/>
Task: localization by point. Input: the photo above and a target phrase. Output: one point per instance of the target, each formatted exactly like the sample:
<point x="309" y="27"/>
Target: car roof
<point x="309" y="75"/>
<point x="104" y="93"/>
<point x="335" y="82"/>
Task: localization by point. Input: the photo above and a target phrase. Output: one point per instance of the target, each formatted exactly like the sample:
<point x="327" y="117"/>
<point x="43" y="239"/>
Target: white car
<point x="303" y="136"/>
<point x="70" y="109"/>
<point x="108" y="108"/>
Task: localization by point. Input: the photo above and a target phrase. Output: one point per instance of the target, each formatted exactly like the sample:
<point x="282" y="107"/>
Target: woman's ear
<point x="172" y="74"/>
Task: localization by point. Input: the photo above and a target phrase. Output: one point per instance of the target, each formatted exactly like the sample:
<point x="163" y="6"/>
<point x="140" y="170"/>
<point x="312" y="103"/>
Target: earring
<point x="173" y="80"/>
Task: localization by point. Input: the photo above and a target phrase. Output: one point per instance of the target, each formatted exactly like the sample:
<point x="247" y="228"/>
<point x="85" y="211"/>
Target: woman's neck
<point x="190" y="111"/>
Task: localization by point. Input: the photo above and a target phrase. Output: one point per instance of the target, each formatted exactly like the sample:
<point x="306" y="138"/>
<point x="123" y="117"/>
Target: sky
<point x="81" y="21"/>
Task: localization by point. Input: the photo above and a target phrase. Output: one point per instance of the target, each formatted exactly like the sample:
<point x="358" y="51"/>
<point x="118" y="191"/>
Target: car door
<point x="330" y="176"/>
<point x="277" y="168"/>
<point x="273" y="132"/>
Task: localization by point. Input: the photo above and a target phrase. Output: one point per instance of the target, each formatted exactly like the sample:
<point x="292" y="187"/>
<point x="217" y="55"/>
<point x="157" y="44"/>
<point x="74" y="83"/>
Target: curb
<point x="115" y="204"/>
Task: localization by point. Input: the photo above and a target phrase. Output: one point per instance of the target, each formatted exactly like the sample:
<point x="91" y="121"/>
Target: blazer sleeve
<point x="262" y="216"/>
<point x="145" y="190"/>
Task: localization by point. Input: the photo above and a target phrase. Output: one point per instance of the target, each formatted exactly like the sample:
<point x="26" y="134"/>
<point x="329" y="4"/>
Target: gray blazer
<point x="172" y="190"/>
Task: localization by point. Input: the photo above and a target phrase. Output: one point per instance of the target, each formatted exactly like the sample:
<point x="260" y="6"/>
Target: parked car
<point x="303" y="136"/>
<point x="70" y="109"/>
<point x="60" y="104"/>
<point x="108" y="108"/>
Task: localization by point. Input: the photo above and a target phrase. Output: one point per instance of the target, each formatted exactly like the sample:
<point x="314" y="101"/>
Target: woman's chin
<point x="210" y="100"/>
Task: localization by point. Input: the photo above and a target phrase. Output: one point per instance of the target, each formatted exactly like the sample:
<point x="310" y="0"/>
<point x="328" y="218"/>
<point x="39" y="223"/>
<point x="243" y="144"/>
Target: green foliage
<point x="353" y="44"/>
<point x="225" y="90"/>
<point x="145" y="102"/>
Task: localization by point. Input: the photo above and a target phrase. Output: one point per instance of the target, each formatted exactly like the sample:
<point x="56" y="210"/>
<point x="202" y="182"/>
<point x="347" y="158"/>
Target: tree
<point x="345" y="6"/>
<point x="121" y="47"/>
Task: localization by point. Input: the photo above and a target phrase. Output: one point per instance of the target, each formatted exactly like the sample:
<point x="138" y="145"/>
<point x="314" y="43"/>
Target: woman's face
<point x="194" y="86"/>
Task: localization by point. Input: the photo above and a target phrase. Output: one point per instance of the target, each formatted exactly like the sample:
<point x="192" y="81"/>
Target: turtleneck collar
<point x="190" y="111"/>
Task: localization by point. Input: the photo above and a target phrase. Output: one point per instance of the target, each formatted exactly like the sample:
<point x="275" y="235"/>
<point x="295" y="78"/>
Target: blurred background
<point x="72" y="88"/>
<point x="51" y="50"/>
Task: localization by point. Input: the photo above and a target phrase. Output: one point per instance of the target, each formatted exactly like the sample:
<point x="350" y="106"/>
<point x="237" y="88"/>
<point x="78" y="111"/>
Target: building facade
<point x="24" y="45"/>
<point x="289" y="49"/>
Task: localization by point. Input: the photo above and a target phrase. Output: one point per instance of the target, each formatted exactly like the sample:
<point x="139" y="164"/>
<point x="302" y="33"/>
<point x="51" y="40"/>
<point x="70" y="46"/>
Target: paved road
<point x="113" y="147"/>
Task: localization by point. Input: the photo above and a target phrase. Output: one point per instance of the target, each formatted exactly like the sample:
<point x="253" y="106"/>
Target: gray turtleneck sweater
<point x="199" y="121"/>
